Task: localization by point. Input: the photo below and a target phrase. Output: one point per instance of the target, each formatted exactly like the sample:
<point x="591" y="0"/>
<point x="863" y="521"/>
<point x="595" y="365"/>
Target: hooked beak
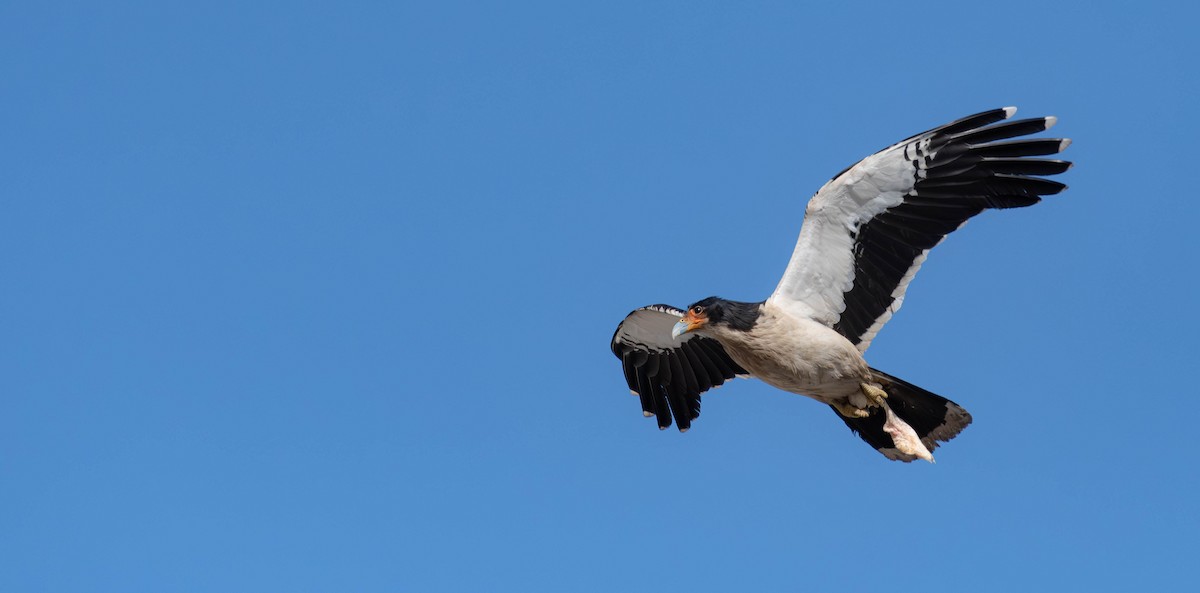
<point x="679" y="329"/>
<point x="687" y="323"/>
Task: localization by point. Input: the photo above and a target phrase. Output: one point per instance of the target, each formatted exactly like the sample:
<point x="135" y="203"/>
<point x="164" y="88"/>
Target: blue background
<point x="318" y="296"/>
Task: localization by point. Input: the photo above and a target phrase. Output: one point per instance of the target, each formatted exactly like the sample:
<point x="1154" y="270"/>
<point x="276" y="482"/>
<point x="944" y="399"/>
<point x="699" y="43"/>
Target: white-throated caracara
<point x="865" y="235"/>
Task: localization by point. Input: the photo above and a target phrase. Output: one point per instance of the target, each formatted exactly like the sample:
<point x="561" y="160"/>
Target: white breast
<point x="797" y="354"/>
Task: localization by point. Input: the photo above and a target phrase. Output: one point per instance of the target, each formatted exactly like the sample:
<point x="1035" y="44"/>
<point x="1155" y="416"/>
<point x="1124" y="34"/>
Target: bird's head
<point x="715" y="312"/>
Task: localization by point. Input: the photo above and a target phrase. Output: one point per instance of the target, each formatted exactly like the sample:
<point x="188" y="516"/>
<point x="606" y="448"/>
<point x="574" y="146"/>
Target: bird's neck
<point x="741" y="316"/>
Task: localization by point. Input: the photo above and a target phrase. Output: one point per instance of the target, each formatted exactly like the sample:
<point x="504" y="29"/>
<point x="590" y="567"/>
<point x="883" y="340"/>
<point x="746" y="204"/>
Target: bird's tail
<point x="934" y="418"/>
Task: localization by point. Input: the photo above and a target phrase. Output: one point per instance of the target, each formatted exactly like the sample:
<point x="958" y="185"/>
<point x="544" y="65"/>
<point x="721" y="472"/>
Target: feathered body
<point x="795" y="354"/>
<point x="865" y="235"/>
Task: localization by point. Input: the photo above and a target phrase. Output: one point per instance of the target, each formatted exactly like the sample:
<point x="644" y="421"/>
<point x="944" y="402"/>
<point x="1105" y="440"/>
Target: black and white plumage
<point x="865" y="235"/>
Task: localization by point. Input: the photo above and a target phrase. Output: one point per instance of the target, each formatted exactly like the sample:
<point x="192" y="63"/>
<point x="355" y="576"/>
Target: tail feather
<point x="934" y="418"/>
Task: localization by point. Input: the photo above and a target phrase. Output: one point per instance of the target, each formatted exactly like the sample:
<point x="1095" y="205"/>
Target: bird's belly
<point x="804" y="358"/>
<point x="801" y="377"/>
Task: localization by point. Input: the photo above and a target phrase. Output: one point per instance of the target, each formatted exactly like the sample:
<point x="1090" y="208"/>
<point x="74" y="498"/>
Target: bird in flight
<point x="865" y="235"/>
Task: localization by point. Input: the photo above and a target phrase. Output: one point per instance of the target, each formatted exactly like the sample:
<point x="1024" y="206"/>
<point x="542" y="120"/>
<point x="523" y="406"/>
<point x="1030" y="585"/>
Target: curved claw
<point x="876" y="395"/>
<point x="850" y="411"/>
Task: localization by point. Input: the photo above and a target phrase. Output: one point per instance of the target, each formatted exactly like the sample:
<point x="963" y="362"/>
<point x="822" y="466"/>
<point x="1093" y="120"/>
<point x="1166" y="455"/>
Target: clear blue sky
<point x="317" y="297"/>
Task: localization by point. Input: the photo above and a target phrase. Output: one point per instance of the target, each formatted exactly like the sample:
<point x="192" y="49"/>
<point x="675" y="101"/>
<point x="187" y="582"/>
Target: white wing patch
<point x="867" y="232"/>
<point x="822" y="266"/>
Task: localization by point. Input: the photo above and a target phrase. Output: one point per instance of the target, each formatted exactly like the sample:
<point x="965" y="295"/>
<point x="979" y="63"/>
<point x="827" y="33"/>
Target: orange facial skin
<point x="694" y="321"/>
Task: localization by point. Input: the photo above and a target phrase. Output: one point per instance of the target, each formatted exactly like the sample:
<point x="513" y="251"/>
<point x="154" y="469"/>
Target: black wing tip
<point x="962" y="168"/>
<point x="670" y="376"/>
<point x="974" y="121"/>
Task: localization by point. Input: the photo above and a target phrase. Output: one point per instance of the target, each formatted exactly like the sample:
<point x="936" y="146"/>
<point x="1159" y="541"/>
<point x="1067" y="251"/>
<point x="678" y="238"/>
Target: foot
<point x="849" y="411"/>
<point x="873" y="393"/>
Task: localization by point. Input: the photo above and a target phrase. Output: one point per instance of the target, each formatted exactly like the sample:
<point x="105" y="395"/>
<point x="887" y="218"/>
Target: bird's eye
<point x="697" y="309"/>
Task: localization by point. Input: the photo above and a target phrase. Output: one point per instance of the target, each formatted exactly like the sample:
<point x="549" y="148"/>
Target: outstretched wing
<point x="669" y="374"/>
<point x="867" y="231"/>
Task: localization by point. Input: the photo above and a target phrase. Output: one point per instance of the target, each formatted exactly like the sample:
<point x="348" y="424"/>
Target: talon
<point x="873" y="393"/>
<point x="850" y="411"/>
